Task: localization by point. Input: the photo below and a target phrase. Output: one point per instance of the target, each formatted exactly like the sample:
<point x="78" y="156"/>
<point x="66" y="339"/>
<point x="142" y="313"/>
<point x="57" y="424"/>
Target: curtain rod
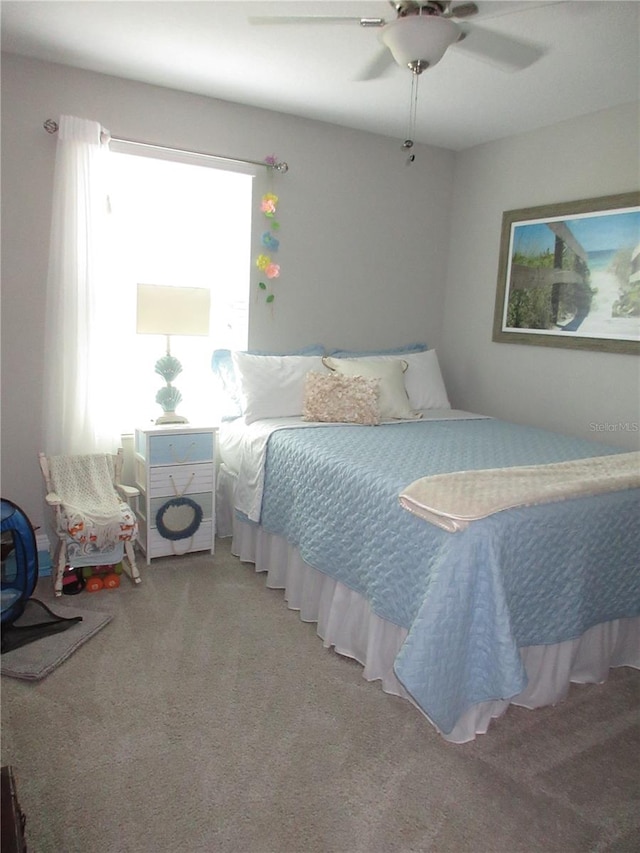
<point x="51" y="126"/>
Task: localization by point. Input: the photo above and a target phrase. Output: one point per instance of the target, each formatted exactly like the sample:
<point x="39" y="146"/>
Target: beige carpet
<point x="207" y="717"/>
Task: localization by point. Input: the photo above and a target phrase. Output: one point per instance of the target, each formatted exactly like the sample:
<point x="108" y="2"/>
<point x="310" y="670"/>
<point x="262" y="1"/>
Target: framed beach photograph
<point x="569" y="275"/>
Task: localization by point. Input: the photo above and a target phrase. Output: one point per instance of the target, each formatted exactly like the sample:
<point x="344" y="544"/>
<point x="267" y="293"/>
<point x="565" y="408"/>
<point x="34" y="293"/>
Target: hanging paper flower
<point x="272" y="271"/>
<point x="270" y="242"/>
<point x="268" y="204"/>
<point x="268" y="207"/>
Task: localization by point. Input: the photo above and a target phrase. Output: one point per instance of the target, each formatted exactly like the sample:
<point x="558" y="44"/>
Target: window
<point x="184" y="223"/>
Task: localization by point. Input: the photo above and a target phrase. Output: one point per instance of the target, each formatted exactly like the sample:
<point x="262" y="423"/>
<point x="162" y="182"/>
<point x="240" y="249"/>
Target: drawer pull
<point x="175" y="456"/>
<point x="177" y="493"/>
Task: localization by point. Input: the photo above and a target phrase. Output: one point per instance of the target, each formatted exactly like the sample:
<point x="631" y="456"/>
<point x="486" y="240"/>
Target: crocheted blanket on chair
<point x="92" y="509"/>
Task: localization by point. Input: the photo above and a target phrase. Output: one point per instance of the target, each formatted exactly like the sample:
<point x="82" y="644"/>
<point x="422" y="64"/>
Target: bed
<point x="510" y="608"/>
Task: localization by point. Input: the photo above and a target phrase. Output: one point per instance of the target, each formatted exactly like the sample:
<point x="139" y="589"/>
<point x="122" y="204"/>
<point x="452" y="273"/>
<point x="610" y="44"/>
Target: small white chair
<point x="94" y="521"/>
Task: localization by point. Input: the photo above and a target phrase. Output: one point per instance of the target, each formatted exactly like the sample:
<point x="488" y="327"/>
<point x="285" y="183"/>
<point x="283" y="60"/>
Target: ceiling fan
<point x="421" y="33"/>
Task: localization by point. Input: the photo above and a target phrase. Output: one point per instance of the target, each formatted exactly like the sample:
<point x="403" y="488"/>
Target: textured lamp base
<point x="171" y="418"/>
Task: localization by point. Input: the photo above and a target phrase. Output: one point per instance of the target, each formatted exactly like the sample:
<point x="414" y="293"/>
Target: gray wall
<point x="566" y="390"/>
<point x="365" y="251"/>
<point x="363" y="236"/>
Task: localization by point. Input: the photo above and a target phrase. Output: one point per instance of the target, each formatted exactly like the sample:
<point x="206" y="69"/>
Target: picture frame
<point x="569" y="275"/>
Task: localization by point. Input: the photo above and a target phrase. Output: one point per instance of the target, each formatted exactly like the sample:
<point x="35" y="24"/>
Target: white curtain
<point x="83" y="364"/>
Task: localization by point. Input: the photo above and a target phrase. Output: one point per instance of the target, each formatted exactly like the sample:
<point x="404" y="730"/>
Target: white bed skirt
<point x="345" y="621"/>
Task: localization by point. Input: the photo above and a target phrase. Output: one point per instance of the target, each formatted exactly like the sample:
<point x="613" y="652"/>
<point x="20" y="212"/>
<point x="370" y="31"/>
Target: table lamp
<point x="166" y="310"/>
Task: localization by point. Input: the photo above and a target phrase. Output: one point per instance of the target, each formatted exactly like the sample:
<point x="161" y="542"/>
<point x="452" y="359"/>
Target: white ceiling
<point x="590" y="60"/>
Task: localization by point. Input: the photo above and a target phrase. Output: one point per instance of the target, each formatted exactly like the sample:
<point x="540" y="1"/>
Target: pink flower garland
<point x="268" y="207"/>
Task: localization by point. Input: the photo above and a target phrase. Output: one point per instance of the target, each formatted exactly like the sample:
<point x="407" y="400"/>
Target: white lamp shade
<point x="419" y="37"/>
<point x="166" y="310"/>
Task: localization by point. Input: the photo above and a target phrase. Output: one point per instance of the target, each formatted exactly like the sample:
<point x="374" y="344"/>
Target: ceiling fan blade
<point x="504" y="52"/>
<point x="462" y="10"/>
<point x="314" y="19"/>
<point x="377" y="67"/>
<point x="504" y="9"/>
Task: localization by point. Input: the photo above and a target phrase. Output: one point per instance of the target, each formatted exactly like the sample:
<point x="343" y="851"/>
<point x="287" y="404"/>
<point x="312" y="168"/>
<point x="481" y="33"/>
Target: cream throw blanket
<point x="89" y="500"/>
<point x="453" y="500"/>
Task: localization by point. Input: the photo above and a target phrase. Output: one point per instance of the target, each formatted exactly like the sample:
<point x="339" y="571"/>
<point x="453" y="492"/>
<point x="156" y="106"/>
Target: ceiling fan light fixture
<point x="423" y="39"/>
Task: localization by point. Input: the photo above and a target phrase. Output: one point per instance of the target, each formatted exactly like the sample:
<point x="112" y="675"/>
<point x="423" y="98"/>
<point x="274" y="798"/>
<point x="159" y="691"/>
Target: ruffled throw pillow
<point x="334" y="398"/>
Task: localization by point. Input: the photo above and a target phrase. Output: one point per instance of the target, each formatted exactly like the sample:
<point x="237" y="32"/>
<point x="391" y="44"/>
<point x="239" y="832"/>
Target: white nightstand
<point x="175" y="472"/>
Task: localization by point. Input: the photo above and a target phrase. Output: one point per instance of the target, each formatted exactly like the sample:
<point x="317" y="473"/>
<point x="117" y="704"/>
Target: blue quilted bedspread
<point x="526" y="576"/>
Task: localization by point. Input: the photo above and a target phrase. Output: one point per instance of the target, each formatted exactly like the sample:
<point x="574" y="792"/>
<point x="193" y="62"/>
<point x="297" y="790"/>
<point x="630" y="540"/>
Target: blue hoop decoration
<point x="187" y="531"/>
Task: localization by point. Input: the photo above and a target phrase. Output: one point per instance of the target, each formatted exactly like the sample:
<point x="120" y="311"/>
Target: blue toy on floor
<point x="18" y="581"/>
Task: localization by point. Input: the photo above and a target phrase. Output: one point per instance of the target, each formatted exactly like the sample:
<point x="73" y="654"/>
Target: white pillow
<point x="272" y="386"/>
<point x="422" y="379"/>
<point x="424" y="383"/>
<point x="393" y="400"/>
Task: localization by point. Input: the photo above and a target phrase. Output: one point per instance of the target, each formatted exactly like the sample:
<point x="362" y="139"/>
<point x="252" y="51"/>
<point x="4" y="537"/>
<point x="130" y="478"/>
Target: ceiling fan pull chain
<point x="413" y="111"/>
<point x="414" y="105"/>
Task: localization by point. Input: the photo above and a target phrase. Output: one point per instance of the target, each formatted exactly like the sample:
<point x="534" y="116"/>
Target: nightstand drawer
<point x="180" y="449"/>
<point x="180" y="479"/>
<point x="204" y="501"/>
<point x="148" y="508"/>
<point x="200" y="541"/>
